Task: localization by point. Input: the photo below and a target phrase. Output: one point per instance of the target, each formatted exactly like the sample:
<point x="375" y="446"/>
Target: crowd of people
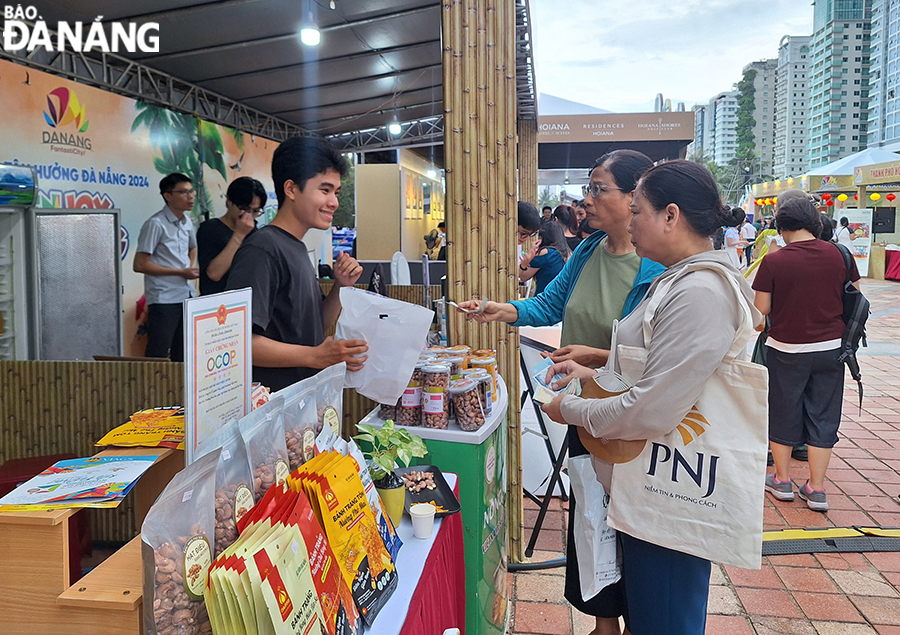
<point x="640" y="228"/>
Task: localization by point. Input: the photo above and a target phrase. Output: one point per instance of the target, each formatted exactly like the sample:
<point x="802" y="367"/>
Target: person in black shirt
<point x="218" y="239"/>
<point x="290" y="314"/>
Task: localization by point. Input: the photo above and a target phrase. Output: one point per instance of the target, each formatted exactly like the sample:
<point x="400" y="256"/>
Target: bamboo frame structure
<point x="528" y="161"/>
<point x="480" y="150"/>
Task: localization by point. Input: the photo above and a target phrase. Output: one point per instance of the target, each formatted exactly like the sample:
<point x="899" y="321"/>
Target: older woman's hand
<point x="553" y="411"/>
<point x="493" y="311"/>
<point x="571" y="370"/>
<point x="583" y="355"/>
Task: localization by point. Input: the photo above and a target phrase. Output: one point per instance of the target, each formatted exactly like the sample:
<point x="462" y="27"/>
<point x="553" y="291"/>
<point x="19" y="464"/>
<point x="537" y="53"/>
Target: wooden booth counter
<point x="35" y="595"/>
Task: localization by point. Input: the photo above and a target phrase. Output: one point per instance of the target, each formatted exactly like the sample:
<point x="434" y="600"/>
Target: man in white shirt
<point x="748" y="233"/>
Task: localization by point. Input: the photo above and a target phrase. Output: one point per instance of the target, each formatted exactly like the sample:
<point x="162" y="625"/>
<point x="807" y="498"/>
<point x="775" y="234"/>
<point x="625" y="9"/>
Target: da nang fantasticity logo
<point x="63" y="109"/>
<point x="25" y="29"/>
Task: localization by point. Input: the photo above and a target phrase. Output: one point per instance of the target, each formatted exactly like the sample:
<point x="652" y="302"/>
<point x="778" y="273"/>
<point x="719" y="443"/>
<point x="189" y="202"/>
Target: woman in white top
<point x="734" y="243"/>
<point x="843" y="235"/>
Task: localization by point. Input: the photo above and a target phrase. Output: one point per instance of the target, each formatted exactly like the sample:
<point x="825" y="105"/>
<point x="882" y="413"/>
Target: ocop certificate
<point x="218" y="372"/>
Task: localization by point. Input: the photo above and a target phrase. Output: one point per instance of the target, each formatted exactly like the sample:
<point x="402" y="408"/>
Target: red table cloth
<point x="439" y="601"/>
<point x="892" y="265"/>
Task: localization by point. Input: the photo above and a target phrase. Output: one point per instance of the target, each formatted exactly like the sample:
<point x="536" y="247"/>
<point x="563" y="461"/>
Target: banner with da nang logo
<point x="93" y="149"/>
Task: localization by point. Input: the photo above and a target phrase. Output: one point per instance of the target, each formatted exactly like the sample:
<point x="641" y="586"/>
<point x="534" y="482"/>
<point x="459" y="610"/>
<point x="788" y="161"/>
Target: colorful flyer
<point x="218" y="370"/>
<point x="152" y="428"/>
<point x="87" y="482"/>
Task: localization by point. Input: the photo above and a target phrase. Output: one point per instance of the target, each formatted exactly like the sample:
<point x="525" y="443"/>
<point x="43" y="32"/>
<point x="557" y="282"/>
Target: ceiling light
<point x="309" y="31"/>
<point x="431" y="173"/>
<point x="395" y="128"/>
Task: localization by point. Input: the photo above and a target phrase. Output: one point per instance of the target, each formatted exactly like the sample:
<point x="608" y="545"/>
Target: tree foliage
<point x="545" y="198"/>
<point x="345" y="216"/>
<point x="746" y="107"/>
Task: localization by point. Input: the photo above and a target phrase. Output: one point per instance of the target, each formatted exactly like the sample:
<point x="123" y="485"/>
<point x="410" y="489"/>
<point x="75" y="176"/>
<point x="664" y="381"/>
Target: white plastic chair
<point x="399" y="269"/>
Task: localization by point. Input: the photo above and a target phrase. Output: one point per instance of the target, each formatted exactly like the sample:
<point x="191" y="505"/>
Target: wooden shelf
<point x="115" y="584"/>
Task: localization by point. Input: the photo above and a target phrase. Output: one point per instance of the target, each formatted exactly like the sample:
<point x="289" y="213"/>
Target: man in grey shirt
<point x="166" y="250"/>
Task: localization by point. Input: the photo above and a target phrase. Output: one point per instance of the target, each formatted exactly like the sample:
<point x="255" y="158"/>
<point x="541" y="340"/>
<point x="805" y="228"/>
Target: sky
<point x="618" y="55"/>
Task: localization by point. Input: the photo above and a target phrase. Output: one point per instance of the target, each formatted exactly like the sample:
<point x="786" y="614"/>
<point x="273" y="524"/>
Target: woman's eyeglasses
<point x="596" y="189"/>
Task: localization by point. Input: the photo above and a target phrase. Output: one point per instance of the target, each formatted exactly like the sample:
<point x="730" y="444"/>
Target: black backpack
<point x="856" y="313"/>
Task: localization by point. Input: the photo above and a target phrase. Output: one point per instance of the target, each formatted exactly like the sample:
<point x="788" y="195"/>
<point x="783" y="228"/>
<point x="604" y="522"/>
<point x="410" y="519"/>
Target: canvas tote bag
<point x="699" y="489"/>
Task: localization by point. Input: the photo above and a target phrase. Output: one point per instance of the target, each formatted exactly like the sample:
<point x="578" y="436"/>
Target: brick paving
<point x="806" y="594"/>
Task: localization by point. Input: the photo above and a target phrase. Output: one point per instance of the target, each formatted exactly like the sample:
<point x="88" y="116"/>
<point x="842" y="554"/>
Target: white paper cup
<point x="422" y="515"/>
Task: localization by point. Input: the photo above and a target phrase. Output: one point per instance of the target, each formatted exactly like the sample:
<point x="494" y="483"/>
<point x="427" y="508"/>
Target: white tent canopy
<point x="847" y="165"/>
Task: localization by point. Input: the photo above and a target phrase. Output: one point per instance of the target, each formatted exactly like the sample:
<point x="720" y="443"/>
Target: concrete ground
<point x="817" y="594"/>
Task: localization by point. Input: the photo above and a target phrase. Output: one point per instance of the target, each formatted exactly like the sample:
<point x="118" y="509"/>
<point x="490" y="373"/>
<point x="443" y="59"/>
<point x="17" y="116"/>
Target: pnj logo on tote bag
<point x="78" y="37"/>
<point x="673" y="464"/>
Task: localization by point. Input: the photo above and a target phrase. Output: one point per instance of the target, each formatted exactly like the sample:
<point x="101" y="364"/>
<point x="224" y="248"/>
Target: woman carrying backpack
<point x="800" y="287"/>
<point x="843" y="235"/>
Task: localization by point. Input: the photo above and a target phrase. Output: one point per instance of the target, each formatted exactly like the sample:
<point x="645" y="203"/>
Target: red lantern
<point x="826" y="196"/>
<point x="891" y="197"/>
<point x="759" y="202"/>
<point x="856" y="197"/>
<point x="829" y="203"/>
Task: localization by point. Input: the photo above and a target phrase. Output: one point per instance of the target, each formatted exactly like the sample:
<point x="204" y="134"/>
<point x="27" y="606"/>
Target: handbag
<point x="595" y="541"/>
<point x="700" y="488"/>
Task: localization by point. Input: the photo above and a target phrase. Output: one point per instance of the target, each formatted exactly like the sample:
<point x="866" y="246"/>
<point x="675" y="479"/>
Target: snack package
<point x="234" y="482"/>
<point x="330" y="397"/>
<point x="382" y="520"/>
<point x="300" y="421"/>
<point x="154" y="427"/>
<point x="341" y="616"/>
<point x="177" y="552"/>
<point x="336" y="493"/>
<point x="263" y="433"/>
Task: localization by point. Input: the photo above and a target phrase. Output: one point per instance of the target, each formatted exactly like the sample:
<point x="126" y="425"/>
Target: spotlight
<point x="309" y="31"/>
<point x="395" y="128"/>
<point x="431" y="173"/>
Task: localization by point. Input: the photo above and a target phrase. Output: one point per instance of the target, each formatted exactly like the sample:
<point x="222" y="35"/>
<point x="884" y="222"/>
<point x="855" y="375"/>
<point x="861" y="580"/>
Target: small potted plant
<point x="390" y="445"/>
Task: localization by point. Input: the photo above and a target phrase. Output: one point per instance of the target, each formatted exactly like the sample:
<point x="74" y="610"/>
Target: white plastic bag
<point x="595" y="541"/>
<point x="395" y="332"/>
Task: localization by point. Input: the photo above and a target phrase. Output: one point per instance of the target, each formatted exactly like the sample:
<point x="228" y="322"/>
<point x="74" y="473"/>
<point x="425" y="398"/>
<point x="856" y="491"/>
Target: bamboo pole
<point x="480" y="144"/>
<point x="528" y="161"/>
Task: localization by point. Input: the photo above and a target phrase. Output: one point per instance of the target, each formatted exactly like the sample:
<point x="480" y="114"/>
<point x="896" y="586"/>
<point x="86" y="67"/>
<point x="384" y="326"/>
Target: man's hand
<point x="583" y="355"/>
<point x="244" y="225"/>
<point x="189" y="273"/>
<point x="332" y="351"/>
<point x="571" y="370"/>
<point x="553" y="411"/>
<point x="346" y="270"/>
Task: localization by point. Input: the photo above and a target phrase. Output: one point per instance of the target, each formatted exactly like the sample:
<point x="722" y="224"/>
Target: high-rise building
<point x="721" y="128"/>
<point x="791" y="94"/>
<point x="838" y="80"/>
<point x="696" y="147"/>
<point x="884" y="81"/>
<point x="763" y="109"/>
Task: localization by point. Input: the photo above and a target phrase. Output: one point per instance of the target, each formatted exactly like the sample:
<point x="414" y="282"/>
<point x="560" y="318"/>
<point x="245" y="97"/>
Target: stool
<point x="16" y="471"/>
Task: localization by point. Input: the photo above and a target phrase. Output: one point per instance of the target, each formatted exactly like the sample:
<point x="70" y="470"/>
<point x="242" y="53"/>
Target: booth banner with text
<point x="94" y="149"/>
<point x="650" y="126"/>
<point x="218" y="373"/>
<point x="860" y="224"/>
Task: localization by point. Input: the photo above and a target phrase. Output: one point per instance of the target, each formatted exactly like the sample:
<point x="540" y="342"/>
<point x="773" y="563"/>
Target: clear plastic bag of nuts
<point x="234" y="482"/>
<point x="176" y="551"/>
<point x="467" y="404"/>
<point x="410" y="411"/>
<point x="263" y="434"/>
<point x="436" y="396"/>
<point x="300" y="419"/>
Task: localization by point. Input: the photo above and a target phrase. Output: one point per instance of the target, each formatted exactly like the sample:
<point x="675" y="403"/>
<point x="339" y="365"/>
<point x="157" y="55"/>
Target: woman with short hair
<point x="800" y="287"/>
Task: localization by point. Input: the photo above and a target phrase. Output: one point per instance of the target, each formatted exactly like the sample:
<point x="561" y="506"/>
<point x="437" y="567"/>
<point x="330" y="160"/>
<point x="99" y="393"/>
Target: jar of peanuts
<point x="467" y="404"/>
<point x="389" y="411"/>
<point x="456" y="364"/>
<point x="410" y="411"/>
<point x="484" y="380"/>
<point x="436" y="396"/>
<point x="490" y="365"/>
<point x="460" y="349"/>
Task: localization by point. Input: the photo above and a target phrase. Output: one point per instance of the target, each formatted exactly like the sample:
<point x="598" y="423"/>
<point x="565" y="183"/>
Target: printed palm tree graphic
<point x="185" y="145"/>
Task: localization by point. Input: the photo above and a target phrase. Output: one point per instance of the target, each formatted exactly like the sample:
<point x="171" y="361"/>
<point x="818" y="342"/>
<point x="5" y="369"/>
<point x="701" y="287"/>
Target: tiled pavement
<point x="818" y="594"/>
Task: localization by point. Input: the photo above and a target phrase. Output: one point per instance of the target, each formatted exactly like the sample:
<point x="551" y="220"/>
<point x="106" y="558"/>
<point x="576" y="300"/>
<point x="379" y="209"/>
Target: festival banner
<point x="93" y="149"/>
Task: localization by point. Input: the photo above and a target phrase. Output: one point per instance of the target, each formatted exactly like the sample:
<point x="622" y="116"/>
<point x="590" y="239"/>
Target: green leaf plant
<point x="389" y="446"/>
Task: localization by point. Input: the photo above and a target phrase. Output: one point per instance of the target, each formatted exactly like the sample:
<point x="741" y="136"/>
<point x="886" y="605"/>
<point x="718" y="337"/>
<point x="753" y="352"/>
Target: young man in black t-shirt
<point x="218" y="239"/>
<point x="290" y="315"/>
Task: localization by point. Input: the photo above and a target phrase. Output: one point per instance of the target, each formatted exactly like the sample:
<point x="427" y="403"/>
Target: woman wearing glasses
<point x="603" y="280"/>
<point x="218" y="239"/>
